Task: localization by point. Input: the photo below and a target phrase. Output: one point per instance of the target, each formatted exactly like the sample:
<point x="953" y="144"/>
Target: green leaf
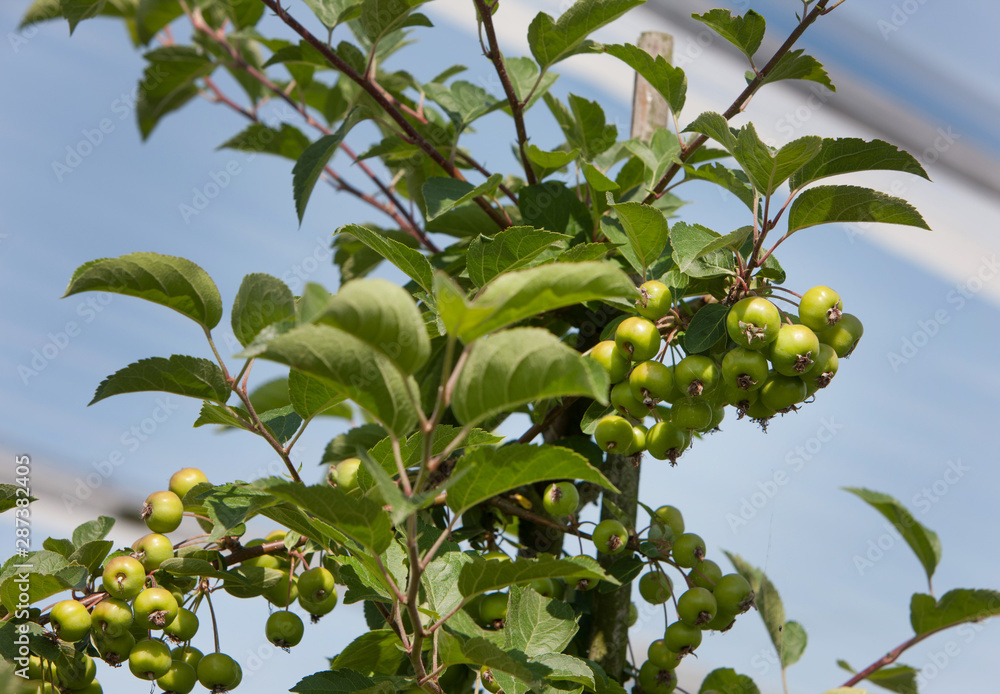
<point x="706" y="328"/>
<point x="766" y="169"/>
<point x="585" y="253"/>
<point x="313" y="160"/>
<point x="955" y="607"/>
<point x="229" y="505"/>
<point x="311" y="397"/>
<point x="9" y="495"/>
<point x="923" y="541"/>
<point x="333" y="12"/>
<point x="379" y="18"/>
<point x="349" y="365"/>
<point x="733" y="180"/>
<point x="523" y="365"/>
<point x="45" y="10"/>
<point x="346" y="445"/>
<point x="412" y="450"/>
<point x="480" y="651"/>
<point x="589" y="131"/>
<point x="440" y="581"/>
<point x="168" y="83"/>
<point x="669" y="81"/>
<point x="597" y="180"/>
<point x="515" y="296"/>
<point x="662" y="151"/>
<point x="463" y="101"/>
<point x="745" y="32"/>
<point x="523" y="74"/>
<point x="75" y="11"/>
<point x="91" y="531"/>
<point x="282" y="422"/>
<point x="689" y="243"/>
<point x="163" y="279"/>
<point x="492" y="471"/>
<point x="554" y="207"/>
<point x="726" y="681"/>
<point x="646" y="230"/>
<point x="551" y="160"/>
<point x="413" y="263"/>
<point x="714" y="126"/>
<point x="483" y="576"/>
<point x="226" y="416"/>
<point x="853" y="155"/>
<point x="512" y="249"/>
<point x="361" y="519"/>
<point x="898" y="678"/>
<point x="190" y="566"/>
<point x="153" y="15"/>
<point x="288" y="142"/>
<point x="92" y="555"/>
<point x="384" y="315"/>
<point x="260" y="301"/>
<point x="444" y="194"/>
<point x="552" y="41"/>
<point x="789" y="638"/>
<point x="372" y="653"/>
<point x="333" y="682"/>
<point x="794" y="65"/>
<point x="180" y="375"/>
<point x="538" y="626"/>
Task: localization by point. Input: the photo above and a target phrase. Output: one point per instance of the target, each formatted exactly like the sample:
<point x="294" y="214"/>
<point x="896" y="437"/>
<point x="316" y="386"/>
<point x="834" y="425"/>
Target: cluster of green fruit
<point x="765" y="367"/>
<point x="711" y="602"/>
<point x="121" y="619"/>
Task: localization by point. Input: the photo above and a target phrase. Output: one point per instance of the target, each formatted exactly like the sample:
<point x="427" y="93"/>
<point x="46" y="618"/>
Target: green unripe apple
<point x="638" y="338"/>
<point x="650" y="382"/>
<point x="610" y="537"/>
<point x="561" y="499"/>
<point x="614" y="434"/>
<point x="654" y="300"/>
<point x="162" y="512"/>
<point x="614" y="361"/>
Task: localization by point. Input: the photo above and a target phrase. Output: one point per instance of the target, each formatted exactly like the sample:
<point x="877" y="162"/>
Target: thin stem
<point x="513" y="509"/>
<point x="743" y="99"/>
<point x="266" y="435"/>
<point x="442" y="538"/>
<point x="536" y="429"/>
<point x="400" y="467"/>
<point x="397" y="211"/>
<point x="218" y="357"/>
<point x="392" y="583"/>
<point x="380" y="98"/>
<point x="890" y="657"/>
<point x="215" y="625"/>
<point x="516" y="107"/>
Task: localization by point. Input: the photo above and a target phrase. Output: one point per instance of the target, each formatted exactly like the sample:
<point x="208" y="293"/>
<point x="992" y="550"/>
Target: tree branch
<point x="380" y="98"/>
<point x="516" y="107"/>
<point x="743" y="99"/>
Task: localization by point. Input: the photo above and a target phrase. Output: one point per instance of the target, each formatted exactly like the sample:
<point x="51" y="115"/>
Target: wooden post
<point x="649" y="109"/>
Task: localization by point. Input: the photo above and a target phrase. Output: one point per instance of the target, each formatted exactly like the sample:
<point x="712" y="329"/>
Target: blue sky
<point x="895" y="426"/>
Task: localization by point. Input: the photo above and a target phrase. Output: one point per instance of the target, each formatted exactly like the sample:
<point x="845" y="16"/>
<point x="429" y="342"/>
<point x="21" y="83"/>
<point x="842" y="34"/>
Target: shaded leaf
<point x="538" y="626"/>
<point x="726" y="681"/>
<point x="288" y="142"/>
<point x="766" y="168"/>
<point x="689" y="243"/>
<point x="706" y="328"/>
<point x="372" y="653"/>
<point x="260" y="301"/>
<point x="901" y="679"/>
<point x="311" y="396"/>
<point x="153" y="15"/>
<point x="361" y="519"/>
<point x="444" y="194"/>
<point x="349" y="365"/>
<point x="379" y="18"/>
<point x="168" y="83"/>
<point x="313" y="160"/>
